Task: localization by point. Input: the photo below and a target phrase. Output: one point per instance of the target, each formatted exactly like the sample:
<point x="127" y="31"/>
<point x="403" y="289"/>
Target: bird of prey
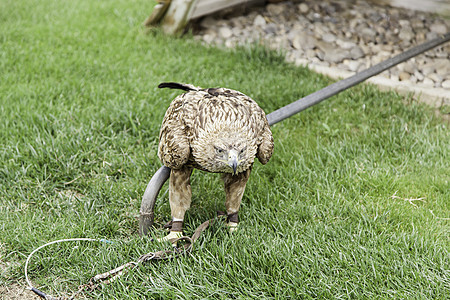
<point x="216" y="130"/>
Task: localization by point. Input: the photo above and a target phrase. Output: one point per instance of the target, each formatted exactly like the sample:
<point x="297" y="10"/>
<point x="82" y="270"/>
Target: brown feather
<point x="216" y="130"/>
<point x="198" y="120"/>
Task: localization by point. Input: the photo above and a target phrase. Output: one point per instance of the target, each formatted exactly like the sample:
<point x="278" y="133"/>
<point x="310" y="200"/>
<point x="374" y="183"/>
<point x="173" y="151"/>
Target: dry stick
<point x="73" y="180"/>
<point x="410" y="200"/>
<point x="446" y="219"/>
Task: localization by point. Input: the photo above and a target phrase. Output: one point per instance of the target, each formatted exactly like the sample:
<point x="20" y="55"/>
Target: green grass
<point x="80" y="116"/>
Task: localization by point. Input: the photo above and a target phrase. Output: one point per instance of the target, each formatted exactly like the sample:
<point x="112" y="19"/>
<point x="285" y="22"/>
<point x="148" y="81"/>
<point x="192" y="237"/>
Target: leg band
<point x="233" y="218"/>
<point x="177" y="226"/>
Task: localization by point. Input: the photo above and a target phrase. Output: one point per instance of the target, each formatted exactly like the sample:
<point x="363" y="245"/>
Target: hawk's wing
<point x="195" y="111"/>
<point x="174" y="147"/>
<point x="265" y="147"/>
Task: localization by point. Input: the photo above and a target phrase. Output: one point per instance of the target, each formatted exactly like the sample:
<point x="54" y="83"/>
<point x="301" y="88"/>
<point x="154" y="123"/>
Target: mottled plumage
<point x="216" y="130"/>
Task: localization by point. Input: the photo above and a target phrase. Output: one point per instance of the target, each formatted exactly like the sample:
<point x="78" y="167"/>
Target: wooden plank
<point x="206" y="7"/>
<point x="159" y="11"/>
<point x="179" y="12"/>
<point x="177" y="16"/>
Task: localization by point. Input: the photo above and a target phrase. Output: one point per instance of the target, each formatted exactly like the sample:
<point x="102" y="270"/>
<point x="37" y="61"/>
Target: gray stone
<point x="208" y="22"/>
<point x="417" y="23"/>
<point x="303" y="41"/>
<point x="328" y="37"/>
<point x="438" y="65"/>
<point x="409" y="67"/>
<point x="337" y="55"/>
<point x="271" y="28"/>
<point x="225" y="32"/>
<point x="297" y="42"/>
<point x="356" y="52"/>
<point x="428" y="69"/>
<point x="435" y="77"/>
<point x="404" y="76"/>
<point x="310" y="53"/>
<point x="418" y="75"/>
<point x="394" y="77"/>
<point x="208" y="38"/>
<point x="345" y="44"/>
<point x="420" y="37"/>
<point x="325" y="47"/>
<point x="406" y="34"/>
<point x="274" y="9"/>
<point x="431" y="35"/>
<point x="320" y="29"/>
<point x="303" y="8"/>
<point x="259" y="21"/>
<point x="230" y="43"/>
<point x="443" y="70"/>
<point x="376" y="60"/>
<point x="438" y="28"/>
<point x="446" y="84"/>
<point x="428" y="82"/>
<point x="366" y="49"/>
<point x="353" y="65"/>
<point x="387" y="47"/>
<point x="404" y="23"/>
<point x="319" y="54"/>
<point x="413" y="79"/>
<point x="322" y="63"/>
<point x="362" y="67"/>
<point x="295" y="31"/>
<point x="368" y="33"/>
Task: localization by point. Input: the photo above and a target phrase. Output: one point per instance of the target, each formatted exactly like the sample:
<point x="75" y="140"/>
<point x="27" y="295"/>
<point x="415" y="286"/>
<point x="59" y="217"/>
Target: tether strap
<point x="110" y="276"/>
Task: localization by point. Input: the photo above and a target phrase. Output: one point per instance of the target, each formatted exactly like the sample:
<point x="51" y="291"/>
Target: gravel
<point x="342" y="35"/>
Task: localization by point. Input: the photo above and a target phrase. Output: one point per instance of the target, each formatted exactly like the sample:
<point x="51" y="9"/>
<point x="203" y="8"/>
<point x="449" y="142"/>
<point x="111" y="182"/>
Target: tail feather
<point x="180" y="86"/>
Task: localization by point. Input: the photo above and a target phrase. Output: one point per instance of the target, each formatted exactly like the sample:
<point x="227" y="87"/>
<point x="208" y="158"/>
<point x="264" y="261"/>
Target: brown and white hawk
<point x="216" y="130"/>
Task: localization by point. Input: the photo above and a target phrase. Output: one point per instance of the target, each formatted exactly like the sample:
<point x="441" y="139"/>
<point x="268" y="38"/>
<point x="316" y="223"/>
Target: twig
<point x="410" y="200"/>
<point x="437" y="216"/>
<point x="73" y="180"/>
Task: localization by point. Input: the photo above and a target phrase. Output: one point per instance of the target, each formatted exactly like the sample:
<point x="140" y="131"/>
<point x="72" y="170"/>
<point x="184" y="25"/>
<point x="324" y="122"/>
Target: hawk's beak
<point x="233" y="160"/>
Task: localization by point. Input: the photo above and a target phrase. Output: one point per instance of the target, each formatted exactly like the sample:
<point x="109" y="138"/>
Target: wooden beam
<point x="206" y="7"/>
<point x="177" y="16"/>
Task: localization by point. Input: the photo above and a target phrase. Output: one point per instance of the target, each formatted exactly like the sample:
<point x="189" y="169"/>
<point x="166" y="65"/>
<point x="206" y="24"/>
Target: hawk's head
<point x="225" y="151"/>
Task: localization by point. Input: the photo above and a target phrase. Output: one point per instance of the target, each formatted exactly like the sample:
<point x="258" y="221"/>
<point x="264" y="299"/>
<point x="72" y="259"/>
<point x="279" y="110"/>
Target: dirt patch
<point x="16" y="292"/>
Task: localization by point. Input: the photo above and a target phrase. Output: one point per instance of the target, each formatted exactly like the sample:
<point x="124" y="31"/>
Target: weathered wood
<point x="157" y="14"/>
<point x="206" y="7"/>
<point x="174" y="15"/>
<point x="177" y="16"/>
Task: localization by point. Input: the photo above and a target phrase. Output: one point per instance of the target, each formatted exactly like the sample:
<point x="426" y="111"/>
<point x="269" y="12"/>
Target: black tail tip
<point x="179" y="86"/>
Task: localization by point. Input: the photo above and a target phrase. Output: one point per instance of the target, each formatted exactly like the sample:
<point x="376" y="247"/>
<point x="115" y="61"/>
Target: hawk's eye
<point x="219" y="150"/>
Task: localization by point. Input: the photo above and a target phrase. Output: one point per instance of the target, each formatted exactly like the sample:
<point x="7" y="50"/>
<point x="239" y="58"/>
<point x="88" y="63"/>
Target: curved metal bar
<point x="337" y="87"/>
<point x="157" y="181"/>
<point x="146" y="214"/>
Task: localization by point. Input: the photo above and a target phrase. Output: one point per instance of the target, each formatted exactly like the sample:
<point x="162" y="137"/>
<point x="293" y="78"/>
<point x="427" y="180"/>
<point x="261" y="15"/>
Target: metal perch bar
<point x="160" y="177"/>
<point x="148" y="200"/>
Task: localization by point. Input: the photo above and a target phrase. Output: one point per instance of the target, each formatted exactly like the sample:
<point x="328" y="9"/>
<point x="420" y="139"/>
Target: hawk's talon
<point x="173" y="235"/>
<point x="232" y="227"/>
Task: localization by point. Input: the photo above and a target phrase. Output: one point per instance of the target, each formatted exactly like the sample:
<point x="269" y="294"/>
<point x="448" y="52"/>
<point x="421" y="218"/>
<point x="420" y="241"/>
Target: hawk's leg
<point x="234" y="190"/>
<point x="180" y="192"/>
<point x="179" y="198"/>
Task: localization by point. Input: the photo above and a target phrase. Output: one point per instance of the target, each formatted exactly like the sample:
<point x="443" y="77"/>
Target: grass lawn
<point x="79" y="123"/>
